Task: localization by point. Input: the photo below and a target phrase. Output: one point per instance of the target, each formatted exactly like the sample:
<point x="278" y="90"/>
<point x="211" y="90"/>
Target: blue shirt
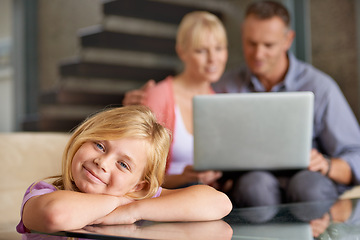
<point x="336" y="132"/>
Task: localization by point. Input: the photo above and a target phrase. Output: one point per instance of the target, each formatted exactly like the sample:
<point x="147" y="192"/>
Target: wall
<point x="58" y="28"/>
<point x="6" y="79"/>
<point x="334" y="44"/>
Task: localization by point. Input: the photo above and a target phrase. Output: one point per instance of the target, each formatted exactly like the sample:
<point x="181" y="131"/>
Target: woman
<point x="201" y="44"/>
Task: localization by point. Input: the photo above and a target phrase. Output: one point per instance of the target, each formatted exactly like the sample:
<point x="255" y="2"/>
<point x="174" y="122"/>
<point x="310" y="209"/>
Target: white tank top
<point x="183" y="147"/>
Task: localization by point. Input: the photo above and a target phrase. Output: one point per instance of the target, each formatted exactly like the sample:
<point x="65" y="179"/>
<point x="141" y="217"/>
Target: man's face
<point x="265" y="43"/>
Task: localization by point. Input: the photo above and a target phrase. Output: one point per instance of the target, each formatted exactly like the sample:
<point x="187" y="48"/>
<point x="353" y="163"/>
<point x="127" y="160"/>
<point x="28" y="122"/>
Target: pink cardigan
<point x="161" y="100"/>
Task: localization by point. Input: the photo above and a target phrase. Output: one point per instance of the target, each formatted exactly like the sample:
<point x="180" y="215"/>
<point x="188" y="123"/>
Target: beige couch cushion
<point x="26" y="157"/>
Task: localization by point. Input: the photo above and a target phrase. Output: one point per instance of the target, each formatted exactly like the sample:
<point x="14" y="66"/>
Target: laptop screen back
<point x="253" y="131"/>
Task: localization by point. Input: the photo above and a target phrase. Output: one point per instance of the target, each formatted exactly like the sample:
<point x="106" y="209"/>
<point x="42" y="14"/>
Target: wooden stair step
<point x="153" y="10"/>
<point x="112" y="71"/>
<point x="132" y="42"/>
<point x="50" y="124"/>
<point x="77" y="97"/>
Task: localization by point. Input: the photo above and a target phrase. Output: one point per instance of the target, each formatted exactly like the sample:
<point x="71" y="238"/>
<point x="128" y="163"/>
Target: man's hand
<point x="137" y="96"/>
<point x="337" y="169"/>
<point x="318" y="226"/>
<point x="318" y="163"/>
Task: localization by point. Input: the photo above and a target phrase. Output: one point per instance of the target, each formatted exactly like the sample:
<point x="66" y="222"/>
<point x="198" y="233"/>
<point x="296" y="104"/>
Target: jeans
<point x="263" y="188"/>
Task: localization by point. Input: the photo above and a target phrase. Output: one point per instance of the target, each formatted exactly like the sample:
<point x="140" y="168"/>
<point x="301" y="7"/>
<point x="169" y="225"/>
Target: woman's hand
<point x="205" y="177"/>
<point x="189" y="177"/>
<point x="137" y="96"/>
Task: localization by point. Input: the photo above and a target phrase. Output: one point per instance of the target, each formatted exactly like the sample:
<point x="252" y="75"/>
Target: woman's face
<point x="111" y="167"/>
<point x="207" y="61"/>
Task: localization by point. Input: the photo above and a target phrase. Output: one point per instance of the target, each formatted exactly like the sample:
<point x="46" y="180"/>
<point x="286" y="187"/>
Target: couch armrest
<point x="26" y="157"/>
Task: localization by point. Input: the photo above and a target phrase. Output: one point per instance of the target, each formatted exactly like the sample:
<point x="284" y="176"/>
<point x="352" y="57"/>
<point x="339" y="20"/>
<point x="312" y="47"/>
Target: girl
<point x="113" y="167"/>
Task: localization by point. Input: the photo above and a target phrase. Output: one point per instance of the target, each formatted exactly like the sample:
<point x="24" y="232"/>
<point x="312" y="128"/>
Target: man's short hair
<point x="269" y="9"/>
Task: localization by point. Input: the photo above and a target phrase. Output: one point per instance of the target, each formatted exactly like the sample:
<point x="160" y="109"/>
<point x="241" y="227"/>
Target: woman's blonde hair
<point x="195" y="25"/>
<point x="124" y="122"/>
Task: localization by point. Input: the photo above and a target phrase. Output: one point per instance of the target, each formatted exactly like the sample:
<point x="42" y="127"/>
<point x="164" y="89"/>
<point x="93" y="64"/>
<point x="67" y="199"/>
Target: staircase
<point x="134" y="43"/>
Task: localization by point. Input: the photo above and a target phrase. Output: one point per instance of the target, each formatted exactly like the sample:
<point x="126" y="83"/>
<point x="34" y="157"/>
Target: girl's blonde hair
<point x="195" y="25"/>
<point x="125" y="122"/>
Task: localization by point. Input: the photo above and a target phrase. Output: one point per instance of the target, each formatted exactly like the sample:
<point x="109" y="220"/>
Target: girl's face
<point x="207" y="61"/>
<point x="110" y="167"/>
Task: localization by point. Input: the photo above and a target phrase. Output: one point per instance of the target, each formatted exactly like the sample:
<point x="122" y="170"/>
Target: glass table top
<point x="335" y="219"/>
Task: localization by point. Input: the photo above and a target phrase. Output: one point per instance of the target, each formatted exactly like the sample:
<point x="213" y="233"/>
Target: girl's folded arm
<point x="66" y="210"/>
<point x="195" y="203"/>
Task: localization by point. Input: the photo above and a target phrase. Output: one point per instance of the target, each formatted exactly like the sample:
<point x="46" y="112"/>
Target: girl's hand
<point x="116" y="230"/>
<point x="123" y="201"/>
<point x="124" y="214"/>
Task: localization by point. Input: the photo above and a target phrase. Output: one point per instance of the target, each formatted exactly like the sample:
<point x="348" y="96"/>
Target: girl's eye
<point x="124" y="165"/>
<point x="100" y="146"/>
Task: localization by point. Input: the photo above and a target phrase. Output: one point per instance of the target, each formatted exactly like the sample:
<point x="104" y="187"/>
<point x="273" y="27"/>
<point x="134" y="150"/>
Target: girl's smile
<point x="93" y="177"/>
<point x="112" y="167"/>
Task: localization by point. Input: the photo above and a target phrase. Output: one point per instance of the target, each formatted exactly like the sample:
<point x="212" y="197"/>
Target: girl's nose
<point x="101" y="162"/>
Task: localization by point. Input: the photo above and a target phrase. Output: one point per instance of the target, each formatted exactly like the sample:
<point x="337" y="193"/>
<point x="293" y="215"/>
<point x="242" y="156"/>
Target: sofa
<point x="27" y="157"/>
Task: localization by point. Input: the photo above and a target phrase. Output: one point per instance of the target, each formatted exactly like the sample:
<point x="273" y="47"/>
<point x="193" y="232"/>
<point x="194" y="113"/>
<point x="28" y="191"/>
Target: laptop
<point x="253" y="131"/>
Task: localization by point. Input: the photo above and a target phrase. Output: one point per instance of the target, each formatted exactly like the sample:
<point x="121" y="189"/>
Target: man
<point x="335" y="158"/>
